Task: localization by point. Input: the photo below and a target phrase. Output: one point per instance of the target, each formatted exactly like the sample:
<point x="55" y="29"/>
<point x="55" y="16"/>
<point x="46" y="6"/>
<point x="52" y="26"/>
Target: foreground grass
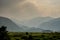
<point x="34" y="35"/>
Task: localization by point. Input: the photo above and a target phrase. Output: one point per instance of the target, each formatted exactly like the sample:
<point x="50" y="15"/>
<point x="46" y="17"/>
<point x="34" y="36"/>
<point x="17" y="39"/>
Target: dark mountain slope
<point x="11" y="26"/>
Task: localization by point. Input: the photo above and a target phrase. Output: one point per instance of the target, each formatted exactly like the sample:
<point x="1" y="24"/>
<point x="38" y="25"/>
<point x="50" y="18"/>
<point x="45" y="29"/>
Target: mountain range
<point x="14" y="27"/>
<point x="46" y="23"/>
<point x="37" y="21"/>
<point x="51" y="25"/>
<point x="39" y="24"/>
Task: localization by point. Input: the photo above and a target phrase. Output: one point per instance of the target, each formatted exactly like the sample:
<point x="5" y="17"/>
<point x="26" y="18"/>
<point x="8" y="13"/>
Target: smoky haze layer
<point x="28" y="9"/>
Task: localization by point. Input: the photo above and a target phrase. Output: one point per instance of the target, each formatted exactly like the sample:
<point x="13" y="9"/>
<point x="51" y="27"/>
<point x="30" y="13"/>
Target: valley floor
<point x="33" y="36"/>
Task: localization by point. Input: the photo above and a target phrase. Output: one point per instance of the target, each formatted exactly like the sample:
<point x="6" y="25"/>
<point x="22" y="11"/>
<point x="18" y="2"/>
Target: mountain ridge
<point x="52" y="24"/>
<point x="12" y="26"/>
<point x="36" y="21"/>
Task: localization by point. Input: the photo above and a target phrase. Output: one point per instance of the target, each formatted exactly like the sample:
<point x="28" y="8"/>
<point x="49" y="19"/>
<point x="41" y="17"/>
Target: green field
<point x="33" y="36"/>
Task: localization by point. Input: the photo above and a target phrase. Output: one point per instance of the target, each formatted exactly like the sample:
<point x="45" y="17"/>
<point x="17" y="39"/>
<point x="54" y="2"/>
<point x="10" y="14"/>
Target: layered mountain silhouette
<point x="51" y="25"/>
<point x="46" y="23"/>
<point x="11" y="26"/>
<point x="37" y="21"/>
<point x="14" y="27"/>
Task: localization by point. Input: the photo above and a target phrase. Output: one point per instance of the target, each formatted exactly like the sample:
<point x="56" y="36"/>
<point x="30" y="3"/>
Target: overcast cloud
<point x="28" y="9"/>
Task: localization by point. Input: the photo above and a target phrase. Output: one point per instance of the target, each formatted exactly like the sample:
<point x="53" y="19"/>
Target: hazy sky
<point x="28" y="9"/>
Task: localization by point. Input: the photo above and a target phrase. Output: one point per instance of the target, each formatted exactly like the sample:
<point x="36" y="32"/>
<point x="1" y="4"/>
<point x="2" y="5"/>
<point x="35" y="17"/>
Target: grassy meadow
<point x="34" y="36"/>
